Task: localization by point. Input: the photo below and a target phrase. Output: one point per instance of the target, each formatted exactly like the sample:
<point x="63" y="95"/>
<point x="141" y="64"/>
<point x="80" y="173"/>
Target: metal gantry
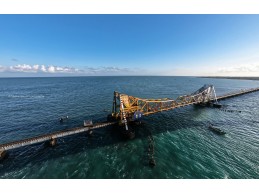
<point x="129" y="105"/>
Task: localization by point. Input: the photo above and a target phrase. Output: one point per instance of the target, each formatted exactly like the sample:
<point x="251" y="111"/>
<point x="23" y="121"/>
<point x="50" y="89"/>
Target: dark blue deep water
<point x="183" y="145"/>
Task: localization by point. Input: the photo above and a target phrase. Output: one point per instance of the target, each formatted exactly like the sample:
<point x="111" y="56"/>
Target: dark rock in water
<point x="152" y="162"/>
<point x="62" y="119"/>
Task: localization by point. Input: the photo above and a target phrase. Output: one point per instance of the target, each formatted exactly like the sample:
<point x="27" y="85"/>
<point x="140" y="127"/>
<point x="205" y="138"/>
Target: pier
<point x="127" y="109"/>
<point x="133" y="107"/>
<point x="238" y="93"/>
<point x="51" y="136"/>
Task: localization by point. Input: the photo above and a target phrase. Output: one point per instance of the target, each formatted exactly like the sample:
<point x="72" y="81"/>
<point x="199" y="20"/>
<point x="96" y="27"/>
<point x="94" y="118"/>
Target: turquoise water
<point x="183" y="145"/>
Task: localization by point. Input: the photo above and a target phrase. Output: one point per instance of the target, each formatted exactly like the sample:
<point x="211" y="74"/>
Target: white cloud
<point x="43" y="68"/>
<point x="22" y="68"/>
<point x="38" y="69"/>
<point x="51" y="69"/>
<point x="241" y="70"/>
<point x="35" y="67"/>
<point x="59" y="69"/>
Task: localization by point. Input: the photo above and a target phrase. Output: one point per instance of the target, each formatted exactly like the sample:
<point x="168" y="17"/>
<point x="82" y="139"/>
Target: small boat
<point x="216" y="105"/>
<point x="216" y="130"/>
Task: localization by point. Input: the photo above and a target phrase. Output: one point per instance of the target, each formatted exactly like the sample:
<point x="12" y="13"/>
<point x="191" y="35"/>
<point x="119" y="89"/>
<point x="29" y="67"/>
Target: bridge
<point x="130" y="109"/>
<point x="52" y="136"/>
<point x="127" y="109"/>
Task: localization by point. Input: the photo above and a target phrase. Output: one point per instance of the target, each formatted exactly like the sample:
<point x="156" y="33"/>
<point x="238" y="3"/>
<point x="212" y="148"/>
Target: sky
<point x="111" y="45"/>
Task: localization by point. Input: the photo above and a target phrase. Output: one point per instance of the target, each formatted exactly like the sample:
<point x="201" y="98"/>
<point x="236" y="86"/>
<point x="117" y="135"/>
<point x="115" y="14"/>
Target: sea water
<point x="184" y="147"/>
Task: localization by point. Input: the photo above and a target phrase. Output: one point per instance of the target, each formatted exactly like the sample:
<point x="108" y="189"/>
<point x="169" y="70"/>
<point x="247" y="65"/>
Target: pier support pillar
<point x="2" y="154"/>
<point x="52" y="142"/>
<point x="152" y="162"/>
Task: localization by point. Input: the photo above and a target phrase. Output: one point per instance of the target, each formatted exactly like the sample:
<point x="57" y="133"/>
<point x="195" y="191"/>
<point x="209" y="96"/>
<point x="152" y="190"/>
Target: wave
<point x="25" y="96"/>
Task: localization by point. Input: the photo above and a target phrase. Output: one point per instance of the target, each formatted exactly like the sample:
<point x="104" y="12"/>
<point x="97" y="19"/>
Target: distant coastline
<point x="226" y="77"/>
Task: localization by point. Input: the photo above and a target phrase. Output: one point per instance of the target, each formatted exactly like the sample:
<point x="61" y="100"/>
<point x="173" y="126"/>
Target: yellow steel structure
<point x="128" y="105"/>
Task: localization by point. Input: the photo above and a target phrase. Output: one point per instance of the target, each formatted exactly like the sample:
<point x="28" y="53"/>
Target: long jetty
<point x="51" y="137"/>
<point x="237" y="93"/>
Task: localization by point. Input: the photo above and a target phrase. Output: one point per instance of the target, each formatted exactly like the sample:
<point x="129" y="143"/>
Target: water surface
<point x="184" y="147"/>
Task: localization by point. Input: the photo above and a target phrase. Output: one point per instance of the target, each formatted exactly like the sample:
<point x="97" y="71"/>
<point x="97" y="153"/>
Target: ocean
<point x="184" y="148"/>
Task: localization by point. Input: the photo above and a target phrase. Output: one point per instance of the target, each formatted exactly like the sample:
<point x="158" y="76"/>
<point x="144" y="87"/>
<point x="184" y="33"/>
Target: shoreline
<point x="227" y="77"/>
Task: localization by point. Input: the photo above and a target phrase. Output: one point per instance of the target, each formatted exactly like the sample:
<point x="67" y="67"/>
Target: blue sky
<point x="64" y="45"/>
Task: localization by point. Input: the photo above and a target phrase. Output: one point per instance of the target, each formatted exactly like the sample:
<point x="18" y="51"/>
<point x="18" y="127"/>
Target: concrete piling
<point x="2" y="154"/>
<point x="53" y="142"/>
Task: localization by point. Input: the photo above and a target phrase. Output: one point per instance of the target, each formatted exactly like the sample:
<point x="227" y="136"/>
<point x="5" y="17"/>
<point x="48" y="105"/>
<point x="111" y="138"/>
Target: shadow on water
<point x="39" y="153"/>
<point x="71" y="145"/>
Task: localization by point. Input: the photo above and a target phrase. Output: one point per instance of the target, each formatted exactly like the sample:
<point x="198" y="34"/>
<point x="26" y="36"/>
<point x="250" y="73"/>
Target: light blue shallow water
<point x="184" y="147"/>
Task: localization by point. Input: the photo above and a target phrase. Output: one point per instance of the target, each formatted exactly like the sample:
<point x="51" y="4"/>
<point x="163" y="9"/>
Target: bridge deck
<point x="54" y="135"/>
<point x="238" y="93"/>
<point x="228" y="95"/>
<point x="68" y="132"/>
